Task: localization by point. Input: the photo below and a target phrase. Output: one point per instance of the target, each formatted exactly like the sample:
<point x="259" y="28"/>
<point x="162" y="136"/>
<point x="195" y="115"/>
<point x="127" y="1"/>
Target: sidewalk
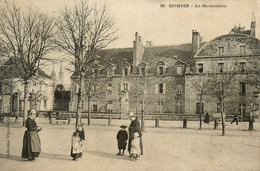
<point x="169" y="147"/>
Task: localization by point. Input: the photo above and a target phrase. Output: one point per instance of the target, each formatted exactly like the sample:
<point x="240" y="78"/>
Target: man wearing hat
<point x="134" y="127"/>
<point x="122" y="139"/>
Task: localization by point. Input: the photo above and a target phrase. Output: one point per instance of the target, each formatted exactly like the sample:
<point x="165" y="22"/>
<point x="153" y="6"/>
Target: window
<point x="242" y="88"/>
<point x="242" y="109"/>
<point x="178" y="108"/>
<point x="126" y="71"/>
<point x="242" y="66"/>
<point x="125" y="86"/>
<point x="198" y="108"/>
<point x="200" y="67"/>
<point x="218" y="107"/>
<point x="179" y="88"/>
<point x="109" y="72"/>
<point x="109" y="89"/>
<point x="256" y="107"/>
<point x="179" y="70"/>
<point x="243" y="49"/>
<point x="95" y="107"/>
<point x="109" y="106"/>
<point x="160" y="70"/>
<point x="220" y="66"/>
<point x="160" y="106"/>
<point x="44" y="103"/>
<point x="143" y="71"/>
<point x="221" y="50"/>
<point x="161" y="88"/>
<point x="160" y="103"/>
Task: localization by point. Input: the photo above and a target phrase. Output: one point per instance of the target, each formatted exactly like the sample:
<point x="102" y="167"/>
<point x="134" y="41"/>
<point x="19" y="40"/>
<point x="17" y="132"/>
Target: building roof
<point x="232" y="44"/>
<point x="151" y="56"/>
<point x="8" y="70"/>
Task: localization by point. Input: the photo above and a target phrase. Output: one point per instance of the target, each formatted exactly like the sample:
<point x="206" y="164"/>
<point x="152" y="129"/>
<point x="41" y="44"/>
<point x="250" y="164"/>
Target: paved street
<point x="169" y="147"/>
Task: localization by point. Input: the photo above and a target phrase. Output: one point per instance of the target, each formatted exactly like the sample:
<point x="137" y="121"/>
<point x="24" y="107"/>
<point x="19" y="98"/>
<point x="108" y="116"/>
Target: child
<point x="75" y="146"/>
<point x="135" y="147"/>
<point x="122" y="137"/>
<point x="81" y="132"/>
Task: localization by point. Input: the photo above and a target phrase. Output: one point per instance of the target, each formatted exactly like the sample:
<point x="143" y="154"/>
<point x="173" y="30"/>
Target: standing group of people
<point x="77" y="142"/>
<point x="135" y="144"/>
<point x="32" y="144"/>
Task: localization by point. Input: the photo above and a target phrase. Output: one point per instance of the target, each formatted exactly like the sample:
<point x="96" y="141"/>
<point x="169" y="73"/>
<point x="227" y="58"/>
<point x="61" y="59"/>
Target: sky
<point x="165" y="25"/>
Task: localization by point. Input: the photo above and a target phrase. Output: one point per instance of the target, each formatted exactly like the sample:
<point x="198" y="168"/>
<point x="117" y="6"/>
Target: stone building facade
<point x="231" y="52"/>
<point x="140" y="78"/>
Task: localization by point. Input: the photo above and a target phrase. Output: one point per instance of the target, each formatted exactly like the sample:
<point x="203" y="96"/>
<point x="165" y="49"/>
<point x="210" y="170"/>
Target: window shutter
<point x="128" y="86"/>
<point x="156" y="88"/>
<point x="164" y="88"/>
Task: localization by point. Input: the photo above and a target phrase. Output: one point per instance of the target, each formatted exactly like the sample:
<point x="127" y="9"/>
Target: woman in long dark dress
<point x="134" y="127"/>
<point x="31" y="141"/>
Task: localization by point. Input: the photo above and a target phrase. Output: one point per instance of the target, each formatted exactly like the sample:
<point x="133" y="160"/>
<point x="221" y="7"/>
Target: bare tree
<point x="94" y="87"/>
<point x="140" y="85"/>
<point x="83" y="31"/>
<point x="220" y="86"/>
<point x="26" y="36"/>
<point x="201" y="82"/>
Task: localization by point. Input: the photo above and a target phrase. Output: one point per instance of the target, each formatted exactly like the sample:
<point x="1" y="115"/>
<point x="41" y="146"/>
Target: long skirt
<point x="75" y="155"/>
<point x="141" y="145"/>
<point x="28" y="151"/>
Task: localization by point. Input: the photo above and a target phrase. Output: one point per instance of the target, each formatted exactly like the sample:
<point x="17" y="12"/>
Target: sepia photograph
<point x="154" y="85"/>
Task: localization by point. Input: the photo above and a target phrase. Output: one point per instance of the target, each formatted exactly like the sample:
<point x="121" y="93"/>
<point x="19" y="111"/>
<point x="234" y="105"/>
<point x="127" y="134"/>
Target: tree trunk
<point x="79" y="101"/>
<point x="136" y="106"/>
<point x="17" y="109"/>
<point x="143" y="107"/>
<point x="200" y="110"/>
<point x="25" y="109"/>
<point x="89" y="117"/>
<point x="222" y="119"/>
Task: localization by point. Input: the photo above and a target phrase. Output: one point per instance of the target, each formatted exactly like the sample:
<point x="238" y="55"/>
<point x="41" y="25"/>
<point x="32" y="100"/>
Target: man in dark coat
<point x="122" y="139"/>
<point x="31" y="141"/>
<point x="134" y="127"/>
<point x="235" y="119"/>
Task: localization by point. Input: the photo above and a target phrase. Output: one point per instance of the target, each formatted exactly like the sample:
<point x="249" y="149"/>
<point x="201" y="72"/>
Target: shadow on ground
<point x="11" y="157"/>
<point x="55" y="156"/>
<point x="108" y="155"/>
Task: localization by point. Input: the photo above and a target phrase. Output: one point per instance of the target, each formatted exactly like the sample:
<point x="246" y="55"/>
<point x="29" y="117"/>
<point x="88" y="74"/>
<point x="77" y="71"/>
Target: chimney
<point x="253" y="26"/>
<point x="138" y="50"/>
<point x="196" y="39"/>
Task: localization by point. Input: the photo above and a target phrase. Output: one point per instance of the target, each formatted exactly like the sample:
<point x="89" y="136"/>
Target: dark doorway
<point x="61" y="98"/>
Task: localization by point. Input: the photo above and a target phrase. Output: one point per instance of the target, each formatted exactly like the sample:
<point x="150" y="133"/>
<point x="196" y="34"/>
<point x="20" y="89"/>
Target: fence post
<point x="184" y="123"/>
<point x="156" y="122"/>
<point x="109" y="120"/>
<point x="251" y="126"/>
<point x="215" y="123"/>
<point x="69" y="119"/>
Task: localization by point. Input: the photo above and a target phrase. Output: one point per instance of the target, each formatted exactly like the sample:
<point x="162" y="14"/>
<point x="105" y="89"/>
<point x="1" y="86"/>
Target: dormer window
<point x="220" y="50"/>
<point x="200" y="68"/>
<point x="126" y="71"/>
<point x="126" y="67"/>
<point x="160" y="70"/>
<point x="143" y="71"/>
<point x="242" y="49"/>
<point x="179" y="70"/>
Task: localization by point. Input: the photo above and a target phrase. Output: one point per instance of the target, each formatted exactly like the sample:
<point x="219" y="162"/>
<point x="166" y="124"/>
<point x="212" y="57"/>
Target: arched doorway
<point x="61" y="98"/>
